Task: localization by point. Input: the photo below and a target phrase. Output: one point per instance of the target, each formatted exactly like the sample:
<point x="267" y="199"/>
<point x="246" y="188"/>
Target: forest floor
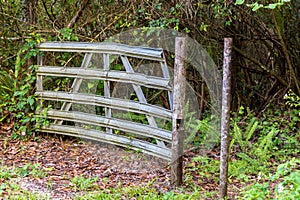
<point x="65" y="167"/>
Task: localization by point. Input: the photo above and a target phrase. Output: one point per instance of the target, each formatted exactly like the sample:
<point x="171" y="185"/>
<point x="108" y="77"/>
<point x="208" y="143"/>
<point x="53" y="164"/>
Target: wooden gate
<point x="145" y="137"/>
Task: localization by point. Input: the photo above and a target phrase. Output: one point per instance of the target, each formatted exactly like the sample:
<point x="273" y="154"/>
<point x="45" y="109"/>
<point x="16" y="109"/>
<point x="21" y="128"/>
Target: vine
<point x="18" y="103"/>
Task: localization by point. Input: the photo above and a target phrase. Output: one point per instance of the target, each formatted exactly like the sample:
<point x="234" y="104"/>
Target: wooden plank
<point x="76" y="83"/>
<point x="85" y="64"/>
<point x="39" y="79"/>
<point x="104" y="47"/>
<point x="145" y="147"/>
<point x="113" y="123"/>
<point x="119" y="76"/>
<point x="140" y="94"/>
<point x="166" y="75"/>
<point x="106" y="67"/>
<point x="114" y="103"/>
<point x="178" y="112"/>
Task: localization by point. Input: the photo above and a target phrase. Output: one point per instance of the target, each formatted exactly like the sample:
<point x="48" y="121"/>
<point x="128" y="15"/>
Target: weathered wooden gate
<point x="147" y="138"/>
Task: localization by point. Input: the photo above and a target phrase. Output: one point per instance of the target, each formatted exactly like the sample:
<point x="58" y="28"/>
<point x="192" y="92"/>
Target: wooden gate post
<point x="178" y="112"/>
<point x="225" y="121"/>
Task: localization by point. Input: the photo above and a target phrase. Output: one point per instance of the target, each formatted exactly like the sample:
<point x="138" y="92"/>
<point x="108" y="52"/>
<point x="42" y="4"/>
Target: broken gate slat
<point x="119" y="140"/>
<point x="118" y="124"/>
<point x="114" y="103"/>
<point x="119" y="76"/>
<point x="104" y="47"/>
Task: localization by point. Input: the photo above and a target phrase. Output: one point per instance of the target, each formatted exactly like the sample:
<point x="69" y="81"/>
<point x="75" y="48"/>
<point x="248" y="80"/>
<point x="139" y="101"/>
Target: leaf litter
<point x="62" y="158"/>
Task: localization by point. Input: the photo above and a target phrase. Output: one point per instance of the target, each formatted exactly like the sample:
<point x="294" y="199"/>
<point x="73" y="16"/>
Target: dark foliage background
<point x="266" y="42"/>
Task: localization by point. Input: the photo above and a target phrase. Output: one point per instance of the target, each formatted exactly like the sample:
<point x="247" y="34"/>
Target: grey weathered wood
<point x="119" y="140"/>
<point x="119" y="76"/>
<point x="76" y="83"/>
<point x="104" y="47"/>
<point x="166" y="75"/>
<point x="107" y="88"/>
<point x="113" y="123"/>
<point x="140" y="94"/>
<point x="114" y="103"/>
<point x="225" y="120"/>
<point x="39" y="83"/>
<point x="136" y="79"/>
<point x="178" y="112"/>
<point x="39" y="79"/>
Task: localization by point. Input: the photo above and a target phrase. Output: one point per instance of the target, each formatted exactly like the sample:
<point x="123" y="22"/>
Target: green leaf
<point x="1" y="119"/>
<point x="257" y="6"/>
<point x="90" y="85"/>
<point x="239" y="2"/>
<point x="30" y="101"/>
<point x="118" y="67"/>
<point x="272" y="5"/>
<point x="241" y="110"/>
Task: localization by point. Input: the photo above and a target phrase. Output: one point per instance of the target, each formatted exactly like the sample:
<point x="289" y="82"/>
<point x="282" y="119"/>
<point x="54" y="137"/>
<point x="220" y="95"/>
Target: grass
<point x="82" y="183"/>
<point x="139" y="193"/>
<point x="281" y="180"/>
<point x="10" y="177"/>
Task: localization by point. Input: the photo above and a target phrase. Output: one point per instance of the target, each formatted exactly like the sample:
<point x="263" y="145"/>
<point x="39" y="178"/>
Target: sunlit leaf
<point x="239" y="2"/>
<point x="272" y="6"/>
<point x="255" y="6"/>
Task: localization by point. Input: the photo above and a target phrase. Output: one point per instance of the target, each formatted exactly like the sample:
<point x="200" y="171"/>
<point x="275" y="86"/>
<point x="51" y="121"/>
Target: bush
<point x="17" y="99"/>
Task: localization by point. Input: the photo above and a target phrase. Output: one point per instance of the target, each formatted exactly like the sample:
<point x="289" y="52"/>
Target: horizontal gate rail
<point x="118" y="124"/>
<point x="120" y="76"/>
<point x="104" y="47"/>
<point x="114" y="103"/>
<point x="119" y="140"/>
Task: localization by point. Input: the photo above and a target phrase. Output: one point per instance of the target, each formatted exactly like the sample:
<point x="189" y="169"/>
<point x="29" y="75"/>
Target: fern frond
<point x="251" y="129"/>
<point x="267" y="143"/>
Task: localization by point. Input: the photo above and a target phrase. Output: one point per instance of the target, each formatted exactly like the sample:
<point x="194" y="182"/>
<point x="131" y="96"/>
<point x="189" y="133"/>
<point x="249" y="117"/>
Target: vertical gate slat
<point x="107" y="89"/>
<point x="166" y="74"/>
<point x="39" y="80"/>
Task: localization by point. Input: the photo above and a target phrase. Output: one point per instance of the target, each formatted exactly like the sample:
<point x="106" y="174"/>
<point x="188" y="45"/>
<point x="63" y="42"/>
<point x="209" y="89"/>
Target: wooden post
<point x="178" y="112"/>
<point x="225" y="120"/>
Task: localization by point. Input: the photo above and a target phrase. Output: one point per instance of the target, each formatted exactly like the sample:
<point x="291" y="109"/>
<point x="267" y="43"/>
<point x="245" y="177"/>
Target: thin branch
<point x="14" y="38"/>
<point x="109" y="25"/>
<point x="262" y="66"/>
<point x="77" y="14"/>
<point x="47" y="12"/>
<point x="286" y="54"/>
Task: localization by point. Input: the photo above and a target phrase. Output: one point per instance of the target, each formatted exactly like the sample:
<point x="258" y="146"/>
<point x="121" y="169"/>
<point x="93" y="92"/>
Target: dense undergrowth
<point x="264" y="148"/>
